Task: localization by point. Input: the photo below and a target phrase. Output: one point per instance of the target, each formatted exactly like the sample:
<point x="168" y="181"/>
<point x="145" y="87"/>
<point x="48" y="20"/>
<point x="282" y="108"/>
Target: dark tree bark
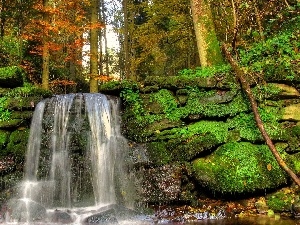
<point x="246" y="87"/>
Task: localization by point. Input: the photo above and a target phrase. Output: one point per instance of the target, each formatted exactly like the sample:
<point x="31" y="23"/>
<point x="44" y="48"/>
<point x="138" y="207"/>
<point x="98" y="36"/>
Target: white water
<point x="51" y="181"/>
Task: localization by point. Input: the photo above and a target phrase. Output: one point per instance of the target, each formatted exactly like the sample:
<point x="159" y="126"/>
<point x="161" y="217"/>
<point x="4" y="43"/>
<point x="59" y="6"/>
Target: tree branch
<point x="246" y="87"/>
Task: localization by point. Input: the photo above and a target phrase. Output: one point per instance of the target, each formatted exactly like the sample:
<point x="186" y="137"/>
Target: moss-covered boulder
<point x="21" y="103"/>
<point x="281" y="200"/>
<point x="17" y="144"/>
<point x="239" y="167"/>
<point x="11" y="76"/>
<point x="11" y="123"/>
<point x="175" y="82"/>
<point x="4" y="137"/>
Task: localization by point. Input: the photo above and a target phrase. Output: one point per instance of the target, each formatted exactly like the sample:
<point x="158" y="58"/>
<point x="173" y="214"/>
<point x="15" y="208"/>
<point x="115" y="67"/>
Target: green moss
<point x="187" y="149"/>
<point x="115" y="87"/>
<point x="196" y="106"/>
<point x="158" y="153"/>
<point x="28" y="90"/>
<point x="220" y="70"/>
<point x="218" y="129"/>
<point x="176" y="82"/>
<point x="4" y="137"/>
<point x="5" y="114"/>
<point x="247" y="127"/>
<point x="276" y="58"/>
<point x="239" y="167"/>
<point x="280" y="201"/>
<point x="262" y="92"/>
<point x="168" y="102"/>
<point x="11" y="76"/>
<point x="17" y="143"/>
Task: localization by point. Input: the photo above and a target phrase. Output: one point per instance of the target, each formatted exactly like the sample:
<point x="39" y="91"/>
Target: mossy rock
<point x="28" y="90"/>
<point x="227" y="82"/>
<point x="4" y="137"/>
<point x="11" y="76"/>
<point x="149" y="89"/>
<point x="115" y="87"/>
<point x="4" y="91"/>
<point x="24" y="115"/>
<point x="151" y="105"/>
<point x="197" y="105"/>
<point x="22" y="103"/>
<point x="239" y="167"/>
<point x="177" y="82"/>
<point x="11" y="123"/>
<point x="287" y="91"/>
<point x="17" y="144"/>
<point x="158" y="126"/>
<point x="185" y="143"/>
<point x="281" y="201"/>
<point x="291" y="112"/>
<point x="245" y="125"/>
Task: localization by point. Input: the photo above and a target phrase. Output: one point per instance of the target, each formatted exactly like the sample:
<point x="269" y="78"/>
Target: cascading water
<point x="74" y="159"/>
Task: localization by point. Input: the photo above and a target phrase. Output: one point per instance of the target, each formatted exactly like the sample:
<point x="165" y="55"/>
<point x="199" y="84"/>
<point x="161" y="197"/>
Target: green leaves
<point x="206" y="71"/>
<point x="274" y="57"/>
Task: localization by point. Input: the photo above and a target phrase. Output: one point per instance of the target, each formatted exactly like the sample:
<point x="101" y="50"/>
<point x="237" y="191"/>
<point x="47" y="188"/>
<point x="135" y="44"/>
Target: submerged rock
<point x="106" y="217"/>
<point x="59" y="216"/>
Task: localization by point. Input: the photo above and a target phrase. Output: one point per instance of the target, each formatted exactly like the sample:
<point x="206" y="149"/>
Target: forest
<point x="46" y="39"/>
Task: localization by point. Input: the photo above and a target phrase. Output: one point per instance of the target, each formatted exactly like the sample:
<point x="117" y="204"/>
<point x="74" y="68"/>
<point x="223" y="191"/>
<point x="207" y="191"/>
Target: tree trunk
<point x="46" y="53"/>
<point x="105" y="39"/>
<point x="207" y="43"/>
<point x="246" y="87"/>
<point x="126" y="40"/>
<point x="94" y="47"/>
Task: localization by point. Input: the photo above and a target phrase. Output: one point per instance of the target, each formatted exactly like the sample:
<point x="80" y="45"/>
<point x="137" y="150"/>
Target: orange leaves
<point x="104" y="78"/>
<point x="95" y="26"/>
<point x="62" y="82"/>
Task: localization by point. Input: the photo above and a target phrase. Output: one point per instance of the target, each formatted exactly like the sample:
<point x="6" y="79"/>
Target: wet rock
<point x="162" y="184"/>
<point x="59" y="216"/>
<point x="107" y="217"/>
<point x="296" y="208"/>
<point x="7" y="164"/>
<point x="261" y="206"/>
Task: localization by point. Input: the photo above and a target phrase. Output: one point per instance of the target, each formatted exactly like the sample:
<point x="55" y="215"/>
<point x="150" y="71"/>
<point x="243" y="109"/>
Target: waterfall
<point x="75" y="156"/>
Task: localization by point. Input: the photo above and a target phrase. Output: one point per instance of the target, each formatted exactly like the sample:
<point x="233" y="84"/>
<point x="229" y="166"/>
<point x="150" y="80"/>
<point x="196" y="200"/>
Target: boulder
<point x="11" y="76"/>
<point x="287" y="91"/>
<point x="291" y="112"/>
<point x="239" y="167"/>
<point x="161" y="184"/>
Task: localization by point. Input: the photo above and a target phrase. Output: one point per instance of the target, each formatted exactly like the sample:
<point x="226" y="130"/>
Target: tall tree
<point x="207" y="43"/>
<point x="46" y="53"/>
<point x="94" y="47"/>
<point x="126" y="39"/>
